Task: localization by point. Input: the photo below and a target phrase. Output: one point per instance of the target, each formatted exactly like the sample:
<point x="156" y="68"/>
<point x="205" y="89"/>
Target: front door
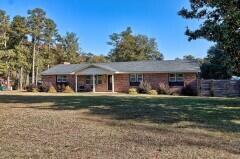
<point x="109" y="82"/>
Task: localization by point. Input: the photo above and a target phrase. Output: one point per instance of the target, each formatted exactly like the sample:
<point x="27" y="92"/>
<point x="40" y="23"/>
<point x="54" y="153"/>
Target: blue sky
<point x="94" y="20"/>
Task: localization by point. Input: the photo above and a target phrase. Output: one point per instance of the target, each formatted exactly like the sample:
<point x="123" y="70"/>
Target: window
<point x="176" y="79"/>
<point x="98" y="79"/>
<point x="64" y="78"/>
<point x="135" y="79"/>
<point x="139" y="77"/>
<point x="132" y="77"/>
<point x="61" y="79"/>
<point x="89" y="80"/>
<point x="172" y="77"/>
<point x="179" y="77"/>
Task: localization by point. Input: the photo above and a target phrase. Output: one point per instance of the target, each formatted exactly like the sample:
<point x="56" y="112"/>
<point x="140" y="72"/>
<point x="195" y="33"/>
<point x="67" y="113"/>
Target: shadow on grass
<point x="211" y="113"/>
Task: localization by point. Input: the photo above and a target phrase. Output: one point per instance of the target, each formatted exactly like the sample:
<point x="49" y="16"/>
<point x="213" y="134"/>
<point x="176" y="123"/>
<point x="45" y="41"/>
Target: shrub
<point x="188" y="90"/>
<point x="43" y="88"/>
<point x="35" y="90"/>
<point x="175" y="92"/>
<point x="32" y="88"/>
<point x="133" y="91"/>
<point x="152" y="92"/>
<point x="163" y="89"/>
<point x="88" y="88"/>
<point x="144" y="87"/>
<point x="52" y="90"/>
<point x="68" y="89"/>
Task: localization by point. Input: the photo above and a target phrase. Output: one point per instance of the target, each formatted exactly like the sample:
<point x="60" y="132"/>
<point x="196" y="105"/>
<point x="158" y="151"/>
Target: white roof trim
<point x="95" y="65"/>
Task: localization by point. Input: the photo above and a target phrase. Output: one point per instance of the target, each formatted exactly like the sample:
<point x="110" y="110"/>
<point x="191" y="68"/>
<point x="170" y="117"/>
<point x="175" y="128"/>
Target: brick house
<point x="120" y="76"/>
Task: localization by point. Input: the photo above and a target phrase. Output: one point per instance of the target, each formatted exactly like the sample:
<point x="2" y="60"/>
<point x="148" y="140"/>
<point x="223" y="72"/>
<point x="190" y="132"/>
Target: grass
<point x="118" y="126"/>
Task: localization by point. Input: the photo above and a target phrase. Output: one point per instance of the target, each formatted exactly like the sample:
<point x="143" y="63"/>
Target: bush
<point x="189" y="91"/>
<point x="152" y="92"/>
<point x="68" y="89"/>
<point x="144" y="87"/>
<point x="133" y="91"/>
<point x="35" y="90"/>
<point x="52" y="90"/>
<point x="43" y="88"/>
<point x="175" y="92"/>
<point x="32" y="88"/>
<point x="163" y="89"/>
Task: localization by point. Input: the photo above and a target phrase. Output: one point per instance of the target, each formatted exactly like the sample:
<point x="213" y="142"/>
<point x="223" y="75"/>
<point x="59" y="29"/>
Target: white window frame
<point x="64" y="78"/>
<point x="179" y="78"/>
<point x="98" y="79"/>
<point x="175" y="77"/>
<point x="136" y="77"/>
<point x="139" y="77"/>
<point x="61" y="78"/>
<point x="89" y="79"/>
<point x="132" y="78"/>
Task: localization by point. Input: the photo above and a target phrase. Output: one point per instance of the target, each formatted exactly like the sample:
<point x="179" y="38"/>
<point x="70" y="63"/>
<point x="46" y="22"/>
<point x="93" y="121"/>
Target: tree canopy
<point x="217" y="64"/>
<point x="129" y="47"/>
<point x="220" y="24"/>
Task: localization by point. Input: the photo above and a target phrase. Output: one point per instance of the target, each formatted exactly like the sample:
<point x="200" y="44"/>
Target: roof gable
<point x="94" y="69"/>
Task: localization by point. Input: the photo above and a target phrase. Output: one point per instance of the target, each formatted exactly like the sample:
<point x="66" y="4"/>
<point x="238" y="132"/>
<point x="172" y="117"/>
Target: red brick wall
<point x="49" y="80"/>
<point x="104" y="86"/>
<point x="71" y="81"/>
<point x="155" y="79"/>
<point x="122" y="81"/>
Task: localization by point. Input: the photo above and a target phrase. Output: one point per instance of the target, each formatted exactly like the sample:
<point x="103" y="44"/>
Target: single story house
<point x="120" y="76"/>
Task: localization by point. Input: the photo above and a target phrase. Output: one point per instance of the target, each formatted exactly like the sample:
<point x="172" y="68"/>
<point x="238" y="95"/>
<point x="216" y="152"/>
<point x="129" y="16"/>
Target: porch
<point x="94" y="83"/>
<point x="95" y="79"/>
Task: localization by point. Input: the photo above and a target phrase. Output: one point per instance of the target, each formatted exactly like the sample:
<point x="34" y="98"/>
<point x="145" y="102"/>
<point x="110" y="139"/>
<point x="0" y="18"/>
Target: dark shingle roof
<point x="129" y="67"/>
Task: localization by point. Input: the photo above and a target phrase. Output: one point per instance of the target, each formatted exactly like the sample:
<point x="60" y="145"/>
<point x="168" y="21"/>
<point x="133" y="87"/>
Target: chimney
<point x="66" y="63"/>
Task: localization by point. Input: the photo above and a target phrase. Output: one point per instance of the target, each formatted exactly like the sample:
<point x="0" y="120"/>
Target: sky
<point x="94" y="20"/>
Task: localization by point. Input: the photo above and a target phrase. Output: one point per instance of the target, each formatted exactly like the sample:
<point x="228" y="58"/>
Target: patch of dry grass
<point x="99" y="126"/>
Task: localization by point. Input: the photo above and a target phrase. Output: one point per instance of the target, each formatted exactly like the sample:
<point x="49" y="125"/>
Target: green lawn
<point x="118" y="126"/>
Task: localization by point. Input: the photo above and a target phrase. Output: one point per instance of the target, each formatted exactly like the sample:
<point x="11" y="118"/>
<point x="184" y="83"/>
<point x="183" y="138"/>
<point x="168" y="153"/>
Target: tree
<point x="220" y="24"/>
<point x="18" y="32"/>
<point x="71" y="47"/>
<point x="32" y="43"/>
<point x="192" y="58"/>
<point x="5" y="53"/>
<point x="129" y="47"/>
<point x="36" y="22"/>
<point x="50" y="32"/>
<point x="18" y="39"/>
<point x="92" y="58"/>
<point x="189" y="57"/>
<point x="217" y="64"/>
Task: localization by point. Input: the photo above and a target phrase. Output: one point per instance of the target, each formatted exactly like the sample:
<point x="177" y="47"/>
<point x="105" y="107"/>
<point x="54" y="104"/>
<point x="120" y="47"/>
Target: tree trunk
<point x="5" y="52"/>
<point x="33" y="61"/>
<point x="36" y="75"/>
<point x="37" y="62"/>
<point x="8" y="80"/>
<point x="27" y="79"/>
<point x="21" y="79"/>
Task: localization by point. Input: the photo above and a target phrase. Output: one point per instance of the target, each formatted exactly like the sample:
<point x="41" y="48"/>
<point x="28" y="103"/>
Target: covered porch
<point x="95" y="79"/>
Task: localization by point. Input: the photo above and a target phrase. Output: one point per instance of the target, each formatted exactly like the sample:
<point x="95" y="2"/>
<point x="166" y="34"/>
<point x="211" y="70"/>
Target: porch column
<point x="113" y="83"/>
<point x="76" y="83"/>
<point x="94" y="84"/>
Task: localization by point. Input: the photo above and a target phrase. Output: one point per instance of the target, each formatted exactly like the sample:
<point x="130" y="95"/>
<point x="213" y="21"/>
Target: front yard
<point x="118" y="126"/>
